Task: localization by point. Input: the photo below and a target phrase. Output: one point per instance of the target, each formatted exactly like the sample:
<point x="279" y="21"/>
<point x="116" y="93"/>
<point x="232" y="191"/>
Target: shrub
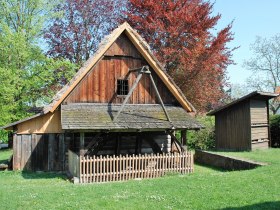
<point x="275" y="130"/>
<point x="205" y="138"/>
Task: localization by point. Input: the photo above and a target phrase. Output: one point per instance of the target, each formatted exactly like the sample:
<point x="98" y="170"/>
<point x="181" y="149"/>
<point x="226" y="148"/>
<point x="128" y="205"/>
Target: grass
<point x="207" y="188"/>
<point x="5" y="154"/>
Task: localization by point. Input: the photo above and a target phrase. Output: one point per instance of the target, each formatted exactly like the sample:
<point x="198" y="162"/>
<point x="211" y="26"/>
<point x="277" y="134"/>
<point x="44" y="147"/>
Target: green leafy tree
<point x="27" y="75"/>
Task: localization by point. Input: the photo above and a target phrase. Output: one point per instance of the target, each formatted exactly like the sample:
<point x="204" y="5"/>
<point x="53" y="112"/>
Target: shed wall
<point x="233" y="127"/>
<point x="40" y="152"/>
<point x="259" y="124"/>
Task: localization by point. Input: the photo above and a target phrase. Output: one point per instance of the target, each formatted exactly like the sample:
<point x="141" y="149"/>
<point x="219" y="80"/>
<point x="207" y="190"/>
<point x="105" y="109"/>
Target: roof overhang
<point x="254" y="95"/>
<point x="137" y="117"/>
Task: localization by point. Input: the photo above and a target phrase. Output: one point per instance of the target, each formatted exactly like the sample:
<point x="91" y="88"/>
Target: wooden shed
<point x="244" y="123"/>
<point x="120" y="107"/>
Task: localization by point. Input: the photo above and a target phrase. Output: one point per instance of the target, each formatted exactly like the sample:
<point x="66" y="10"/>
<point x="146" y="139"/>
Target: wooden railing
<point x="120" y="168"/>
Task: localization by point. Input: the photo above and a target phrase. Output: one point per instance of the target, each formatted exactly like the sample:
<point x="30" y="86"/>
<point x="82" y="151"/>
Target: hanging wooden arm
<point x="130" y="92"/>
<point x="158" y="96"/>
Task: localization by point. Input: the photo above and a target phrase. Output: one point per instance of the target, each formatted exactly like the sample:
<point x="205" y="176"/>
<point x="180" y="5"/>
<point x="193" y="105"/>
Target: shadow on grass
<point x="43" y="175"/>
<point x="266" y="205"/>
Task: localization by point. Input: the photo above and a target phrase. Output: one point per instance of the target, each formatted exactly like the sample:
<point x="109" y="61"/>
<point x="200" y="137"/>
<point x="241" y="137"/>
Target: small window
<point x="122" y="87"/>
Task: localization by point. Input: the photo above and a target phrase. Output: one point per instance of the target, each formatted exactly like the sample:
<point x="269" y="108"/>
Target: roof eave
<point x="250" y="95"/>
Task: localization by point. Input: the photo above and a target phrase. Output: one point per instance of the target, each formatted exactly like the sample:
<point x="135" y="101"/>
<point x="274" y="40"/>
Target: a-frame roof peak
<point x="145" y="51"/>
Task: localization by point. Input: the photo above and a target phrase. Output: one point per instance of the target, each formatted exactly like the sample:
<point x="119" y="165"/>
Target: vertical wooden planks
<point x="95" y="78"/>
<point x="61" y="153"/>
<point x="102" y="81"/>
<point x="51" y="151"/>
<point x="17" y="164"/>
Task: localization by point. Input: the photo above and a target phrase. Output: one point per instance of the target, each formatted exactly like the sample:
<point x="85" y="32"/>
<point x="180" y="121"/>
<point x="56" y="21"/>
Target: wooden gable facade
<point x="82" y="117"/>
<point x="100" y="84"/>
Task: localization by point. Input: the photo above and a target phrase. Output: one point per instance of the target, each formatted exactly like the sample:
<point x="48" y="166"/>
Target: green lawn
<point x="205" y="189"/>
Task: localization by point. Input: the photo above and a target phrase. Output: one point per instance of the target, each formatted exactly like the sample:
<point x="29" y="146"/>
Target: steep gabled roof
<point x="145" y="51"/>
<point x="141" y="45"/>
<point x="254" y="95"/>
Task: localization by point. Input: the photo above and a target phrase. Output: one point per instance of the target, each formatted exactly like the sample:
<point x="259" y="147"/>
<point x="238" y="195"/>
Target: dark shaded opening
<point x="122" y="87"/>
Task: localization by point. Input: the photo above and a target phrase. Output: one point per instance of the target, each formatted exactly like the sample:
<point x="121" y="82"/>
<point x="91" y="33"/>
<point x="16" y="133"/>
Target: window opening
<point x="122" y="87"/>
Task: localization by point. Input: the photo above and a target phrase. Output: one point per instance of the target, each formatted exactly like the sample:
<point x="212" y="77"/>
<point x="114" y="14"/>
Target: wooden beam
<point x="82" y="143"/>
<point x="117" y="148"/>
<point x="159" y="98"/>
<point x="177" y="143"/>
<point x="129" y="94"/>
<point x="158" y="70"/>
<point x="184" y="137"/>
<point x="92" y="142"/>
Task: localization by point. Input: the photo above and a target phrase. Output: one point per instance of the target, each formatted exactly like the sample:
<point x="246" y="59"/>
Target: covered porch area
<point x="141" y="143"/>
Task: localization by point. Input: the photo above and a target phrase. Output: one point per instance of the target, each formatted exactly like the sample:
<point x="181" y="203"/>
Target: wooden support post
<point x="159" y="98"/>
<point x="138" y="144"/>
<point x="82" y="143"/>
<point x="175" y="140"/>
<point x="184" y="137"/>
<point x="117" y="148"/>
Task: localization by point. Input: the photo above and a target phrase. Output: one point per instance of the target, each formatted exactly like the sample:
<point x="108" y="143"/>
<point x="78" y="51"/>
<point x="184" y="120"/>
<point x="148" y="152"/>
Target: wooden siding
<point x="99" y="85"/>
<point x="48" y="123"/>
<point x="259" y="132"/>
<point x="259" y="121"/>
<point x="260" y="145"/>
<point x="37" y="152"/>
<point x="258" y="112"/>
<point x="233" y="128"/>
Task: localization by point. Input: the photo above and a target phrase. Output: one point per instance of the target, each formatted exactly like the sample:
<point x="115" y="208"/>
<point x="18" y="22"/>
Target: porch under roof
<point x="93" y="116"/>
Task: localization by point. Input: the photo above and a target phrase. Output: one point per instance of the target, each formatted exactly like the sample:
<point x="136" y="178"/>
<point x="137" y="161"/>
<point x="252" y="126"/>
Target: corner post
<point x="82" y="143"/>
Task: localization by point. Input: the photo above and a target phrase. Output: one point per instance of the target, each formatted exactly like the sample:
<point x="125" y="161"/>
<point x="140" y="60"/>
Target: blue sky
<point x="251" y="18"/>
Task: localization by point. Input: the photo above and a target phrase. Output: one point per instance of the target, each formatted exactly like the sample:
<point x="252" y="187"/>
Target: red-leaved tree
<point x="75" y="35"/>
<point x="180" y="33"/>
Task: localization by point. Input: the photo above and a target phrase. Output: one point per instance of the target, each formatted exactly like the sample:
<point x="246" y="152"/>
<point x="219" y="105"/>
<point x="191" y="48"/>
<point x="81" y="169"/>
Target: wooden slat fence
<point x="121" y="168"/>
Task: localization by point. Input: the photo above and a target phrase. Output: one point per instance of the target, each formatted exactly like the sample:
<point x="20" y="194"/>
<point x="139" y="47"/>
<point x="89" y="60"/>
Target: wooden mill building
<point x="244" y="123"/>
<point x="120" y="102"/>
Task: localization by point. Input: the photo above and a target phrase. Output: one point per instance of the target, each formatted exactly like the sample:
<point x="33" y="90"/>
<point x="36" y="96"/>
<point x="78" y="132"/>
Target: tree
<point x="180" y="34"/>
<point x="76" y="34"/>
<point x="265" y="66"/>
<point x="27" y="75"/>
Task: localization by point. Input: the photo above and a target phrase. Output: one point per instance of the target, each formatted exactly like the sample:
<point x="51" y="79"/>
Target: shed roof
<point x="253" y="95"/>
<point x="92" y="116"/>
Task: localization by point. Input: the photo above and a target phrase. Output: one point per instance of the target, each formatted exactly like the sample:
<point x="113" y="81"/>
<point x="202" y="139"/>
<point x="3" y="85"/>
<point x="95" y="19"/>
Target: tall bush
<point x="205" y="138"/>
<point x="275" y="130"/>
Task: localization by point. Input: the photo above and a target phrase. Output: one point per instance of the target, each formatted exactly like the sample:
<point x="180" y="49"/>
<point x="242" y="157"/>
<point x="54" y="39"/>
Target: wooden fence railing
<point x="120" y="168"/>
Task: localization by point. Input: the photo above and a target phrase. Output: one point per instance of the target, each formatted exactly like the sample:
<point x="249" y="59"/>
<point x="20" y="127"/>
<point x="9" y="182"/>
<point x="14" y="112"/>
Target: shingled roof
<point x="138" y="117"/>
